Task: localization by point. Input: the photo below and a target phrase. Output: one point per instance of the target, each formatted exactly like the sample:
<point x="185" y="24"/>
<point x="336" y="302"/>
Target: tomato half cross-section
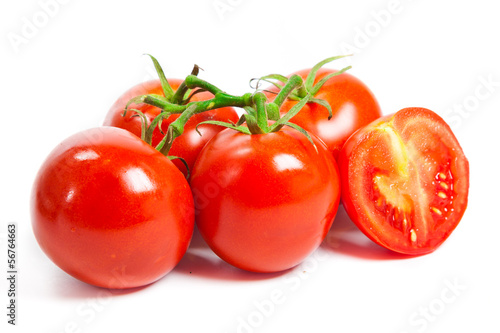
<point x="405" y="181"/>
<point x="190" y="143"/>
<point x="264" y="202"/>
<point x="110" y="210"/>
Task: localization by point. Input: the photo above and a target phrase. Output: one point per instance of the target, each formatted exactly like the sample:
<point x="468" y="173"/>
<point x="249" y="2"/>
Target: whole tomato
<point x="405" y="181"/>
<point x="190" y="143"/>
<point x="264" y="202"/>
<point x="110" y="210"/>
<point x="353" y="106"/>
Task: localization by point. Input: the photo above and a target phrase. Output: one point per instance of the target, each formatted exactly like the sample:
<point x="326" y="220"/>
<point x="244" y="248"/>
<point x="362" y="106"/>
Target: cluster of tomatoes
<point x="109" y="208"/>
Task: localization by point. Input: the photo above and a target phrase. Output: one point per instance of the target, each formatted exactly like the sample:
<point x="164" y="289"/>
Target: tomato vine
<point x="261" y="115"/>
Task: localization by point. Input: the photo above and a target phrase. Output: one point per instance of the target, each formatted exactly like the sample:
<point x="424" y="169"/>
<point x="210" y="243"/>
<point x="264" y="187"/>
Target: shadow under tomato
<point x="201" y="261"/>
<point x="69" y="287"/>
<point x="345" y="238"/>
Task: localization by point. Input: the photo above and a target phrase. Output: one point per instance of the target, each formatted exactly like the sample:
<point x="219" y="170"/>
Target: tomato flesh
<point x="405" y="181"/>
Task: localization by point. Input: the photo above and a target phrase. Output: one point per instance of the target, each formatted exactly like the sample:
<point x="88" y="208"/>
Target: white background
<point x="61" y="75"/>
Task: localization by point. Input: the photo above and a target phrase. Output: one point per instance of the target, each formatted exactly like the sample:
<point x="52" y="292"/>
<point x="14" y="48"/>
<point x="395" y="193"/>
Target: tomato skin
<point x="190" y="143"/>
<point x="264" y="202"/>
<point x="110" y="210"/>
<point x="353" y="106"/>
<point x="408" y="165"/>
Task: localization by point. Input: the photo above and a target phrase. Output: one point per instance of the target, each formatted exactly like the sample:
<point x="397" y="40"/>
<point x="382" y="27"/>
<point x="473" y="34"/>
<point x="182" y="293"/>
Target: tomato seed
<point x="437" y="211"/>
<point x="442" y="195"/>
<point x="413" y="236"/>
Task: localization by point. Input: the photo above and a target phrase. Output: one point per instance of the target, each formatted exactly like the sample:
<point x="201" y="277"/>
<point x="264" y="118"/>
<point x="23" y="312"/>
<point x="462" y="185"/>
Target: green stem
<point x="175" y="129"/>
<point x="162" y="103"/>
<point x="295" y="81"/>
<point x="273" y="111"/>
<point x="178" y="97"/>
<point x="167" y="90"/>
<point x="312" y="74"/>
<point x="290" y="114"/>
<point x="259" y="111"/>
<point x="220" y="100"/>
<point x="260" y="105"/>
<point x="180" y="93"/>
<point x="193" y="81"/>
<point x="302" y="91"/>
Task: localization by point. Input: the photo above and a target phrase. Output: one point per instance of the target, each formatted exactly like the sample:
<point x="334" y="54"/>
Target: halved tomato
<point x="405" y="181"/>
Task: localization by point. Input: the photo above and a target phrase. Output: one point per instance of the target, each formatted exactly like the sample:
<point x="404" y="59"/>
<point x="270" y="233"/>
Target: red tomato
<point x="264" y="202"/>
<point x="190" y="143"/>
<point x="110" y="210"/>
<point x="353" y="106"/>
<point x="405" y="181"/>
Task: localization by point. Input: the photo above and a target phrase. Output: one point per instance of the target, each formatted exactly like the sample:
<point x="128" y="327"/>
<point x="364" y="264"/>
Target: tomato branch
<point x="258" y="110"/>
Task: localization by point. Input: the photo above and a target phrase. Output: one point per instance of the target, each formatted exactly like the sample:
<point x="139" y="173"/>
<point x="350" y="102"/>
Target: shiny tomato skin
<point x="405" y="181"/>
<point x="110" y="210"/>
<point x="353" y="106"/>
<point x="264" y="202"/>
<point x="190" y="143"/>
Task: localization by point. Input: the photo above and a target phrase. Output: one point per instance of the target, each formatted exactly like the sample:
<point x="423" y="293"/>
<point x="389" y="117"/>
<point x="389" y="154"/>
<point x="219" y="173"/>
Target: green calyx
<point x="261" y="116"/>
<point x="309" y="88"/>
<point x="174" y="101"/>
<point x="259" y="111"/>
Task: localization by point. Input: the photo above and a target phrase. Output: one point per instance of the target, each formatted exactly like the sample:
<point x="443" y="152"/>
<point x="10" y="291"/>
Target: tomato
<point x="264" y="202"/>
<point x="353" y="106"/>
<point x="190" y="143"/>
<point x="110" y="210"/>
<point x="405" y="181"/>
